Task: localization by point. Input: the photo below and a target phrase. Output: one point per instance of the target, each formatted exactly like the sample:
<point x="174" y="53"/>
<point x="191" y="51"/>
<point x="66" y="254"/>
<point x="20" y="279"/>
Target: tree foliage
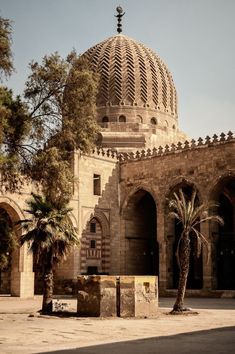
<point x="6" y="64"/>
<point x="54" y="174"/>
<point x="50" y="235"/>
<point x="14" y="131"/>
<point x="190" y="213"/>
<point x="38" y="137"/>
<point x="61" y="96"/>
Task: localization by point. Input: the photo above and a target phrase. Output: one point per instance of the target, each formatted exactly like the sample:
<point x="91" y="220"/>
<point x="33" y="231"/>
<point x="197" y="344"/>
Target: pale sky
<point x="195" y="38"/>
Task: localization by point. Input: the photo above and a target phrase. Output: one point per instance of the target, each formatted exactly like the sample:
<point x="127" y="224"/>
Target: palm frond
<point x="191" y="214"/>
<point x="215" y="218"/>
<point x="49" y="230"/>
<point x="204" y="241"/>
<point x="173" y="214"/>
<point x="177" y="205"/>
<point x="177" y="253"/>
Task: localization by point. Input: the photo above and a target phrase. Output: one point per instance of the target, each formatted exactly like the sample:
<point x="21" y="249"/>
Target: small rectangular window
<point x="92" y="244"/>
<point x="96" y="184"/>
<point x="92" y="227"/>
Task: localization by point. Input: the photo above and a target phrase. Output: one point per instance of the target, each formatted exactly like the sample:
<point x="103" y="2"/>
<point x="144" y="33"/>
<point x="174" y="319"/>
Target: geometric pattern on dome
<point x="131" y="74"/>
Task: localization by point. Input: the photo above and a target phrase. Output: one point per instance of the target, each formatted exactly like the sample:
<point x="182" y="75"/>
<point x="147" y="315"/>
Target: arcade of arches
<point x="127" y="230"/>
<point x="144" y="220"/>
<point x="142" y="245"/>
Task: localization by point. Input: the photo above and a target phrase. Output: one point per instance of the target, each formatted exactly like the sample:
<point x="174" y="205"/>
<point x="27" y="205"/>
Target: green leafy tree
<point x="6" y="64"/>
<point x="38" y="137"/>
<point x="14" y="131"/>
<point x="50" y="236"/>
<point x="61" y="96"/>
<point x="14" y="122"/>
<point x="54" y="175"/>
<point x="190" y="214"/>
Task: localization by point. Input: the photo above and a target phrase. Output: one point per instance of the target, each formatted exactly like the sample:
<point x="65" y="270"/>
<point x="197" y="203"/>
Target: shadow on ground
<point x="219" y="341"/>
<point x="201" y="303"/>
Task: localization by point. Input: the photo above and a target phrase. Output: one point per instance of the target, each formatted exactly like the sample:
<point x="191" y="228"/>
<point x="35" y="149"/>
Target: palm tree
<point x="50" y="236"/>
<point x="190" y="214"/>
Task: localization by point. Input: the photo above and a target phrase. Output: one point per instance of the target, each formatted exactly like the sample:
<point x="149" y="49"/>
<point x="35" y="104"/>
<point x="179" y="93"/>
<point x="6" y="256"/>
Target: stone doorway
<point x="6" y="226"/>
<point x="17" y="279"/>
<point x="141" y="246"/>
<point x="224" y="238"/>
<point x="95" y="246"/>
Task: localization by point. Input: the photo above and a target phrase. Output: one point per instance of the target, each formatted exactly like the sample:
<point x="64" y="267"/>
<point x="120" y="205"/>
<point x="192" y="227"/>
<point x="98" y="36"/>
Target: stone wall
<point x="202" y="164"/>
<point x="103" y="207"/>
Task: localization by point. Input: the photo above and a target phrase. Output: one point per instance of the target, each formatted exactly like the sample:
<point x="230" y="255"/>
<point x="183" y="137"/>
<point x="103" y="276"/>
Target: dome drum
<point x="136" y="116"/>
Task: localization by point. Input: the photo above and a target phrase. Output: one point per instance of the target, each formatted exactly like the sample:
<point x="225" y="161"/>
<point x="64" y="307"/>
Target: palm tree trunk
<point x="184" y="257"/>
<point x="48" y="285"/>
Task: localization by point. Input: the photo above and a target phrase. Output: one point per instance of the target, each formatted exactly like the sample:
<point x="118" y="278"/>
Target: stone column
<point x="22" y="276"/>
<point x="162" y="250"/>
<point x="169" y="260"/>
<point x="122" y="247"/>
<point x="206" y="262"/>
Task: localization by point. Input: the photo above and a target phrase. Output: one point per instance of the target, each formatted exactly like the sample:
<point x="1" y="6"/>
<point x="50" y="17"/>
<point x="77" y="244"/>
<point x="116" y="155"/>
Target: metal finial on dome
<point x="119" y="18"/>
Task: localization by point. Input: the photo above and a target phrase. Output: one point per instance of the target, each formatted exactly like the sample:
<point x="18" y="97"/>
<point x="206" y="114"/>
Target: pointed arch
<point x="133" y="191"/>
<point x="21" y="277"/>
<point x="12" y="208"/>
<point x="139" y="232"/>
<point x="182" y="181"/>
<point x="95" y="244"/>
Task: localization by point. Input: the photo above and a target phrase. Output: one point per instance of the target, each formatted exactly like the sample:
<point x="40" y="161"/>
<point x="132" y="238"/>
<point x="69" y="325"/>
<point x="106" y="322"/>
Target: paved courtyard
<point x="211" y="331"/>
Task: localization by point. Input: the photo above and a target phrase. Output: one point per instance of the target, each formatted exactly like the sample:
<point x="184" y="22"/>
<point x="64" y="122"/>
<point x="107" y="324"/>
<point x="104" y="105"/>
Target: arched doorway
<point x="18" y="279"/>
<point x="141" y="246"/>
<point x="224" y="235"/>
<point x="6" y="243"/>
<point x="95" y="246"/>
<point x="195" y="276"/>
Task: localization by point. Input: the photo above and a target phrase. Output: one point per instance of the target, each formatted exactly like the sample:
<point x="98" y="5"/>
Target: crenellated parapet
<point x="105" y="153"/>
<point x="179" y="147"/>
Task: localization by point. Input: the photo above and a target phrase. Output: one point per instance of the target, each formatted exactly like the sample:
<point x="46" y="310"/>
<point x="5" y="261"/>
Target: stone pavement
<point x="211" y="331"/>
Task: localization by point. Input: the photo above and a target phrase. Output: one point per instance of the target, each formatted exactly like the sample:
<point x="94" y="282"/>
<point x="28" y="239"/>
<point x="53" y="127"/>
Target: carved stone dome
<point x="137" y="100"/>
<point x="132" y="75"/>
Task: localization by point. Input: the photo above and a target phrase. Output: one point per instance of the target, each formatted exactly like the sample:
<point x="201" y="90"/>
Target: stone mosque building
<point x="120" y="199"/>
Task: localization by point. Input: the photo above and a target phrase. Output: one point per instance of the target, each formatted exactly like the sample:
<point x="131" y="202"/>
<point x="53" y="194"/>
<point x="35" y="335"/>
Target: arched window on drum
<point x="122" y="119"/>
<point x="105" y="122"/>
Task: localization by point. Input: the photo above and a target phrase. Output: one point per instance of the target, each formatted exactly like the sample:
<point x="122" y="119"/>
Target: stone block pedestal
<point x="123" y="296"/>
<point x="96" y="296"/>
<point x="138" y="296"/>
